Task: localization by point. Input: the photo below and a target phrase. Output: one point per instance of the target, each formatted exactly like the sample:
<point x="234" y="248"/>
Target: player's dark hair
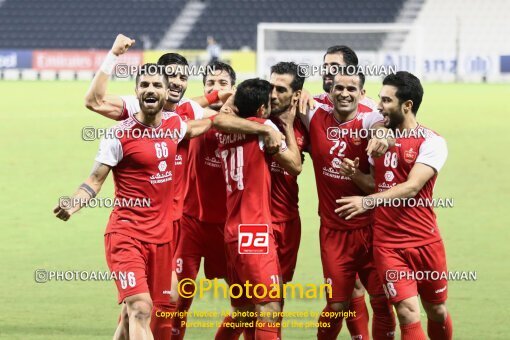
<point x="361" y="79"/>
<point x="220" y="66"/>
<point x="172" y="59"/>
<point x="291" y="68"/>
<point x="408" y="88"/>
<point x="250" y="95"/>
<point x="151" y="69"/>
<point x="348" y="54"/>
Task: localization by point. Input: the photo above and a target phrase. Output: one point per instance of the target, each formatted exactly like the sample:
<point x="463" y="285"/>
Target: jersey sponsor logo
<point x="161" y="177"/>
<point x="212" y="162"/>
<point x="276" y="168"/>
<point x="389" y="176"/>
<point x="178" y="159"/>
<point x="253" y="239"/>
<point x="410" y="155"/>
<point x="333" y="173"/>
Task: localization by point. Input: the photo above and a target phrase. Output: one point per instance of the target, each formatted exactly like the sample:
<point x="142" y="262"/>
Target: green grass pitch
<point x="43" y="157"/>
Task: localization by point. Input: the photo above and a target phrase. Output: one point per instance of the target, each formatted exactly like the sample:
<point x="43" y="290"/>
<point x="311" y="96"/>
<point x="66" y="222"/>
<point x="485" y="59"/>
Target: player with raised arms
<point x="139" y="240"/>
<point x="407" y="239"/>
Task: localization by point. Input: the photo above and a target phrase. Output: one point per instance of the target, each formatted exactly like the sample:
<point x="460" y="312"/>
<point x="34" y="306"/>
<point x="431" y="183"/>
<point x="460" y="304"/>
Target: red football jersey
<point x="187" y="110"/>
<point x="246" y="171"/>
<point x="412" y="226"/>
<point x="365" y="105"/>
<point x="143" y="168"/>
<point x="327" y="151"/>
<point x="284" y="186"/>
<point x="206" y="198"/>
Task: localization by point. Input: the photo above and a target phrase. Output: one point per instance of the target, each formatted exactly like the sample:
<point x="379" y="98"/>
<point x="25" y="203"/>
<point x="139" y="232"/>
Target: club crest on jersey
<point x="336" y="162"/>
<point x="389" y="176"/>
<point x="410" y="155"/>
<point x="162" y="166"/>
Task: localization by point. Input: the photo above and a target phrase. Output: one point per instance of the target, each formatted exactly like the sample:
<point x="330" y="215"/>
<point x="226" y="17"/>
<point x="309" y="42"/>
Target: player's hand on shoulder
<point x="377" y="147"/>
<point x="306" y="102"/>
<point x="122" y="44"/>
<point x="273" y="141"/>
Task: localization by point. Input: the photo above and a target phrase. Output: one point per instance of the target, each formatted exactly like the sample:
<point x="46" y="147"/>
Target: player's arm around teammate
<point x="227" y="121"/>
<point x="418" y="177"/>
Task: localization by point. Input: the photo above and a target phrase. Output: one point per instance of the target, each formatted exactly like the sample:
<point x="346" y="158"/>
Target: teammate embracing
<point x="407" y="239"/>
<point x="336" y="133"/>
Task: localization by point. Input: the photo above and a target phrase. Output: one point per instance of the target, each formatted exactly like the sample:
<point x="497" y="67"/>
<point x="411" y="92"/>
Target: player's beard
<point x="394" y="119"/>
<point x="172" y="99"/>
<point x="151" y="109"/>
<point x="327" y="82"/>
<point x="275" y="111"/>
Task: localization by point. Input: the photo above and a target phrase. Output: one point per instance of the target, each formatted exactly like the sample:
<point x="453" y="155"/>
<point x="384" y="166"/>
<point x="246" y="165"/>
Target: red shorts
<point x="200" y="239"/>
<point x="257" y="269"/>
<point x="344" y="254"/>
<point x="287" y="236"/>
<point x="393" y="263"/>
<point x="140" y="267"/>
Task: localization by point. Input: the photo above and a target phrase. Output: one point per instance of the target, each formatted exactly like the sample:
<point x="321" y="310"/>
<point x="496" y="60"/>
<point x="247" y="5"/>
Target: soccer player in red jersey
<point x="139" y="240"/>
<point x="287" y="85"/>
<point x="246" y="169"/>
<point x="406" y="238"/>
<point x="336" y="133"/>
<point x="205" y="208"/>
<point x="335" y="58"/>
<point x="286" y="89"/>
<point x="122" y="107"/>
